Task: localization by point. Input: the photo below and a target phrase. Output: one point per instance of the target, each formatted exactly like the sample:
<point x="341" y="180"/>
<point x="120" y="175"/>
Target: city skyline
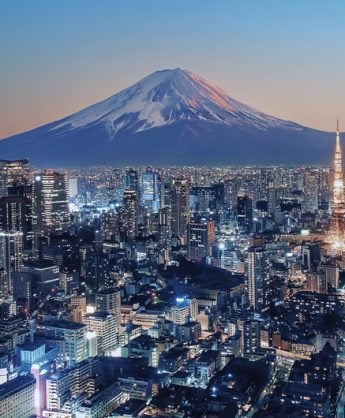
<point x="183" y="278"/>
<point x="281" y="58"/>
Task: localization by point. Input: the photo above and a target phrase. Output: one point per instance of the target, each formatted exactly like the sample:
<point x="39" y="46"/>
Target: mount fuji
<point x="170" y="117"/>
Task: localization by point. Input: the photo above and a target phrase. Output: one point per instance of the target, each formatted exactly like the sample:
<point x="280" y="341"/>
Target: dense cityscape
<point x="172" y="209"/>
<point x="175" y="291"/>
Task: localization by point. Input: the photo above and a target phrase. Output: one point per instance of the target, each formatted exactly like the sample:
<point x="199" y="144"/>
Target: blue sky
<point x="285" y="57"/>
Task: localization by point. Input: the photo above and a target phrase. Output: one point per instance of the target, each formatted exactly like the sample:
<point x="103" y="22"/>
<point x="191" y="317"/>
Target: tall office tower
<point x="11" y="252"/>
<point x="200" y="237"/>
<point x="164" y="225"/>
<point x="150" y="190"/>
<point x="72" y="187"/>
<point x="131" y="180"/>
<point x="165" y="193"/>
<point x="219" y="196"/>
<point x="258" y="278"/>
<point x="151" y="221"/>
<point x="311" y="191"/>
<point x="336" y="233"/>
<point x="180" y="210"/>
<point x="13" y="173"/>
<point x="245" y="213"/>
<point x="272" y="199"/>
<point x="4" y="284"/>
<point x="231" y="189"/>
<point x="130" y="213"/>
<point x="163" y="202"/>
<point x="50" y="203"/>
<point x="324" y="191"/>
<point x="109" y="225"/>
<point x="117" y="178"/>
<point x="109" y="300"/>
<point x="15" y="215"/>
<point x="205" y="198"/>
<point x="20" y="190"/>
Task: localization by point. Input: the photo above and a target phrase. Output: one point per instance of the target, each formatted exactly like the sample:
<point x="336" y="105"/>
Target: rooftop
<point x="108" y="291"/>
<point x="132" y="407"/>
<point x="98" y="315"/>
<point x="62" y="324"/>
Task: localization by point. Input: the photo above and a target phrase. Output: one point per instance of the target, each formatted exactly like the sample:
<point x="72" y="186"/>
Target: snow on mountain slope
<point x="166" y="97"/>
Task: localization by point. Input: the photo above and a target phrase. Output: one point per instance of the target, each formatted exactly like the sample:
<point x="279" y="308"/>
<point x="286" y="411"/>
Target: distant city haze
<point x="284" y="58"/>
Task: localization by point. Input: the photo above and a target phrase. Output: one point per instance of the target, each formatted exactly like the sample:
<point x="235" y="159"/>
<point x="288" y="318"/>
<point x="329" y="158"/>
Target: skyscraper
<point x="272" y="199"/>
<point x="311" y="191"/>
<point x="50" y="202"/>
<point x="231" y="189"/>
<point x="164" y="221"/>
<point x="258" y="276"/>
<point x="131" y="180"/>
<point x="180" y="210"/>
<point x="130" y="213"/>
<point x="245" y="213"/>
<point x="15" y="215"/>
<point x="13" y="173"/>
<point x="336" y="234"/>
<point x="200" y="237"/>
<point x="11" y="252"/>
<point x="205" y="198"/>
<point x="150" y="190"/>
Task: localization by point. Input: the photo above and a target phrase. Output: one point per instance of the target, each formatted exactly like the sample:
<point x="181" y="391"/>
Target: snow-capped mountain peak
<point x="169" y="117"/>
<point x="166" y="97"/>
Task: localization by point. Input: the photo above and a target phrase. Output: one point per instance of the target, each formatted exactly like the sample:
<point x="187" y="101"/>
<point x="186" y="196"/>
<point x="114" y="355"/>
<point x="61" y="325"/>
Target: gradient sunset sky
<point x="284" y="57"/>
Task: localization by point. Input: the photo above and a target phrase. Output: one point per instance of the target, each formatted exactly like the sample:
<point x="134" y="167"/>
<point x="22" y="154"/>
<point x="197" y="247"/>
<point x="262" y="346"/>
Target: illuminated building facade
<point x="150" y="190"/>
<point x="180" y="209"/>
<point x="11" y="252"/>
<point x="200" y="237"/>
<point x="50" y="202"/>
<point x="17" y="397"/>
<point x="13" y="173"/>
<point x="258" y="277"/>
<point x="130" y="213"/>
